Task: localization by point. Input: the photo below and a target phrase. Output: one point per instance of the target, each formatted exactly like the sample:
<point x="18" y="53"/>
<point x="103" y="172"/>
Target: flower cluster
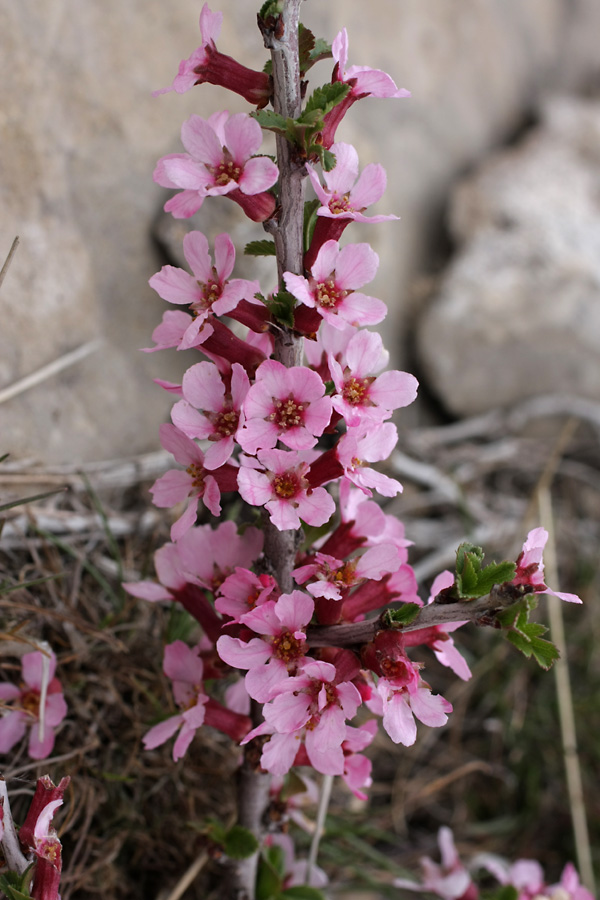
<point x="280" y="436"/>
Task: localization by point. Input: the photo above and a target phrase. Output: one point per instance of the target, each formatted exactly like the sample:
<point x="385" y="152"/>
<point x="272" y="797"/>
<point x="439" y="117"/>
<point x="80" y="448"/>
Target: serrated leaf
<point x="495" y="573"/>
<point x="271" y="120"/>
<point x="323" y="99"/>
<point x="260" y="248"/>
<point x="466" y="576"/>
<point x="240" y="843"/>
<point x="325" y="157"/>
<point x="403" y="615"/>
<point x="281" y="306"/>
<point x="321" y="50"/>
<point x="15" y="886"/>
<point x="302" y="892"/>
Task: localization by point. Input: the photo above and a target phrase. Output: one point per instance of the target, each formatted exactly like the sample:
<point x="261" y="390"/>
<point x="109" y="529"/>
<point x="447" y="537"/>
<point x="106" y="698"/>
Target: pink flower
<point x="402" y="703"/>
<point x="282" y="646"/>
<point x="243" y="591"/>
<point x="173" y="328"/>
<point x="312" y="706"/>
<point x="286" y="404"/>
<point x="569" y="887"/>
<point x="530" y="566"/>
<point x="39" y="704"/>
<point x="344" y="197"/>
<point x="332" y="288"/>
<point x="196" y="482"/>
<point x="450" y="880"/>
<point x="38" y="836"/>
<point x="207" y="292"/>
<point x="361" y="396"/>
<point x="205" y="389"/>
<point x="209" y="555"/>
<point x="357" y="768"/>
<point x="333" y="576"/>
<point x="364" y="81"/>
<point x="358" y="447"/>
<point x="283" y="489"/>
<point x="206" y="64"/>
<point x="220" y="161"/>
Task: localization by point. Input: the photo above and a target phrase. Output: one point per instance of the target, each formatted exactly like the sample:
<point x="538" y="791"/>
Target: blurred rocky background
<point x="502" y="129"/>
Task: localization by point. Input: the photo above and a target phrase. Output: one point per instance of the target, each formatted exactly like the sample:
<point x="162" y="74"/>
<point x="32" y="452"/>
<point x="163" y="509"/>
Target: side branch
<point x="480" y="611"/>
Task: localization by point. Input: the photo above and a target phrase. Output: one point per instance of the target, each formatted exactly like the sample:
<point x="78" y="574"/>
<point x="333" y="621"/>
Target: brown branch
<point x="480" y="611"/>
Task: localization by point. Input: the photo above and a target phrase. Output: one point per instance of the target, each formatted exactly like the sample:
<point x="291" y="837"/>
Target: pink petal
<point x="182" y="663"/>
<point x="356" y="265"/>
<point x="9" y="691"/>
<point x="279" y="753"/>
<point x="175" y="286"/>
<point x="224" y="256"/>
<point x="200" y="140"/>
<point x="55" y="710"/>
<point x="171" y="488"/>
<point x="195" y="250"/>
<point x="398" y="720"/>
<point x="254" y="487"/>
<point x="339" y="49"/>
<point x="210" y="25"/>
<point x="328" y="760"/>
<point x="263" y="681"/>
<point x="288" y="712"/>
<point x="188" y="174"/>
<point x="239" y="655"/>
<point x="259" y="175"/>
<point x="370" y="186"/>
<point x="36" y="667"/>
<point x="299" y="287"/>
<point x="191" y="422"/>
<point x="394" y="389"/>
<point x="13" y="726"/>
<point x="327" y="260"/>
<point x="295" y="610"/>
<point x="161" y="732"/>
<point x="184" y="450"/>
<point x="40" y="748"/>
<point x="203" y="386"/>
<point x="243" y="137"/>
<point x="185" y="204"/>
<point x="185" y="521"/>
<point x="343" y="176"/>
<point x="317" y="508"/>
<point x="430" y="708"/>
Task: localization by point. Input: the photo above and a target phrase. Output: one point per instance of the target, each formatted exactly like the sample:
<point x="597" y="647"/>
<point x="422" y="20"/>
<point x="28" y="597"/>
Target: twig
<point x="47" y="371"/>
<point x="8" y="260"/>
<point x="564" y="696"/>
<point x="187" y="878"/>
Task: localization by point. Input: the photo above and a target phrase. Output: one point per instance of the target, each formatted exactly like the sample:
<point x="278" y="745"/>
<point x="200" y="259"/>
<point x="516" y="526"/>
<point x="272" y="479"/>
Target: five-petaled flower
<point x="38" y="704"/>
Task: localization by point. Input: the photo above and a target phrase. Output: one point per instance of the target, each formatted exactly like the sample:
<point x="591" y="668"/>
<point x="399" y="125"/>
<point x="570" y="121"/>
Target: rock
<point x="81" y="134"/>
<point x="518" y="312"/>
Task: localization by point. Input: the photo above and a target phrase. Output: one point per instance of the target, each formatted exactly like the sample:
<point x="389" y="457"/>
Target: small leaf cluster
<point x="526" y="635"/>
<point x="473" y="580"/>
<point x="15" y="886"/>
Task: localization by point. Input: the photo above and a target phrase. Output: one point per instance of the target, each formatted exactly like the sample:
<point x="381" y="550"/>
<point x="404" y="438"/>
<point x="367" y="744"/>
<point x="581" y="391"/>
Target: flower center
<point x="196" y="473"/>
<point x="287" y="414"/>
<point x="287" y="647"/>
<point x="211" y="291"/>
<point x="355" y="390"/>
<point x="328" y="295"/>
<point x="394" y="668"/>
<point x="30" y="702"/>
<point x="286" y="485"/>
<point x="226" y="172"/>
<point x="344" y="576"/>
<point x="225" y="423"/>
<point x="340" y="205"/>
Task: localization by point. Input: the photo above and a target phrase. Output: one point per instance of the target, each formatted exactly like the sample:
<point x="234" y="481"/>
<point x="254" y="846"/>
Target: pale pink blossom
<point x="220" y="161"/>
<point x="208" y="291"/>
<point x="530" y="566"/>
<point x="363" y="81"/>
<point x="357" y="767"/>
<point x="285" y="404"/>
<point x="362" y="395"/>
<point x="194" y="483"/>
<point x="208" y="65"/>
<point x="282" y="488"/>
<point x="209" y="555"/>
<point x="211" y="409"/>
<point x="358" y="447"/>
<point x="280" y="652"/>
<point x="450" y="880"/>
<point x="38" y="704"/>
<point x="403" y="703"/>
<point x="243" y="591"/>
<point x="332" y="288"/>
<point x="172" y="330"/>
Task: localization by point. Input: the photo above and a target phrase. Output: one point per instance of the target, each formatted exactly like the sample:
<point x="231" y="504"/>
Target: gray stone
<point x="518" y="311"/>
<point x="81" y="134"/>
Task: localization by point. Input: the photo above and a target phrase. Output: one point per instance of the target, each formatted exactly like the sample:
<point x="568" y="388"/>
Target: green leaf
<point x="302" y="892"/>
<point x="271" y="121"/>
<point x="310" y="50"/>
<point x="474" y="581"/>
<point x="495" y="573"/>
<point x="506" y="892"/>
<point x="31" y="499"/>
<point x="269" y="879"/>
<point x="281" y="306"/>
<point x="260" y="248"/>
<point x="310" y="220"/>
<point x="322" y="100"/>
<point x="270" y="8"/>
<point x="4" y="458"/>
<point x="240" y="843"/>
<point x="404" y="615"/>
<point x="15" y="886"/>
<point x="321" y="50"/>
<point x="325" y="157"/>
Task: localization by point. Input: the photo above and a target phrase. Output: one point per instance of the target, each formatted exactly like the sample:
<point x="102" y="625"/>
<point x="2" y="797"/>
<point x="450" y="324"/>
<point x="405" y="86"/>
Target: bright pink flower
<point x="361" y="395"/>
<point x="312" y="706"/>
<point x="205" y="389"/>
<point x="38" y="704"/>
<point x="220" y="161"/>
<point x="357" y="768"/>
<point x="450" y="880"/>
<point x="285" y="404"/>
<point x="206" y="64"/>
<point x="530" y="566"/>
<point x="208" y="291"/>
<point x="282" y="647"/>
<point x="332" y="287"/>
<point x="334" y="576"/>
<point x="344" y="197"/>
<point x="283" y="489"/>
<point x="358" y="447"/>
<point x="243" y="591"/>
<point x="196" y="482"/>
<point x="364" y="81"/>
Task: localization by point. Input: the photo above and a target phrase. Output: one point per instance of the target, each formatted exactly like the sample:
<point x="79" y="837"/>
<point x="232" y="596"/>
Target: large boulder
<point x="81" y="134"/>
<point x="518" y="311"/>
